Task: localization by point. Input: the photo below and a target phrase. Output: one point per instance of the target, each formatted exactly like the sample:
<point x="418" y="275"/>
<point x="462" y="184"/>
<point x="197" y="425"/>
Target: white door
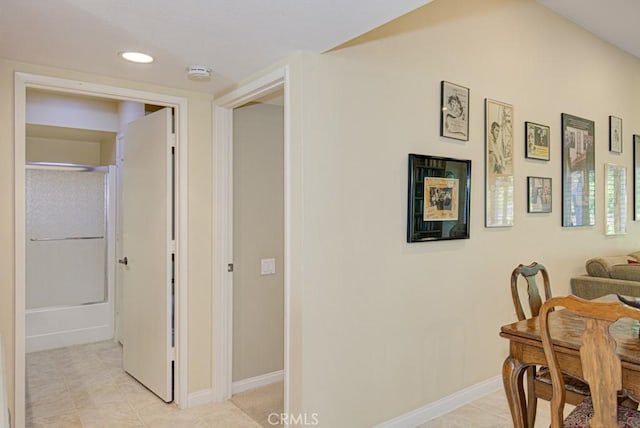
<point x="147" y="253"/>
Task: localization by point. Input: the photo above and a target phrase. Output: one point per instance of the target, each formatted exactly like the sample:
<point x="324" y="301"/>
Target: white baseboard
<point x="444" y="405"/>
<point x="65" y="338"/>
<point x="257" y="382"/>
<point x="206" y="395"/>
<point x="199" y="398"/>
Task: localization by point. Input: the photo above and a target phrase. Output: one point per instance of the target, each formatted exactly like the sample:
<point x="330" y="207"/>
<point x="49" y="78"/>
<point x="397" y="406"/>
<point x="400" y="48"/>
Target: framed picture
<point x="499" y="182"/>
<point x="615" y="221"/>
<point x="615" y="134"/>
<point x="439" y="198"/>
<point x="536" y="139"/>
<point x="636" y="177"/>
<point x="578" y="171"/>
<point x="454" y="111"/>
<point x="539" y="194"/>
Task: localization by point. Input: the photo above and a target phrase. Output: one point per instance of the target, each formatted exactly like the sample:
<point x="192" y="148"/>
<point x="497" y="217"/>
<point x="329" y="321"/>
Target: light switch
<point x="267" y="266"/>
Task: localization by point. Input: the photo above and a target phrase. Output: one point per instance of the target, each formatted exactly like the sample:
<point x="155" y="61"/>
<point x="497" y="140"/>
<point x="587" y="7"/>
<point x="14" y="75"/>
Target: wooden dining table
<point x="525" y="350"/>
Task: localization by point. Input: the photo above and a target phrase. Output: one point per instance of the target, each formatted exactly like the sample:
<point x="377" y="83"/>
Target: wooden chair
<point x="601" y="366"/>
<point x="539" y="379"/>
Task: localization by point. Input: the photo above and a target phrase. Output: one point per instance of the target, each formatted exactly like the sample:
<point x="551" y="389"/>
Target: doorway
<point x="258" y="247"/>
<point x="222" y="307"/>
<point x="23" y="82"/>
<point x="258" y="254"/>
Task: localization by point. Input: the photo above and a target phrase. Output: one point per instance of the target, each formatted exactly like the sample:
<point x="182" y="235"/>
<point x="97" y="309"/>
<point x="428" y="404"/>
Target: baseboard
<point x="199" y="398"/>
<point x="42" y="342"/>
<point x="257" y="382"/>
<point x="206" y="395"/>
<point x="444" y="405"/>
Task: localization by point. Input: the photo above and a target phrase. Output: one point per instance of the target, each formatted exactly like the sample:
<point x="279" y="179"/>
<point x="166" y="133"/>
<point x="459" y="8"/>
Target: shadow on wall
<point x="433" y="14"/>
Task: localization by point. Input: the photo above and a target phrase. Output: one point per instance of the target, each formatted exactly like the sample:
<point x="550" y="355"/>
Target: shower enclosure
<point x="69" y="255"/>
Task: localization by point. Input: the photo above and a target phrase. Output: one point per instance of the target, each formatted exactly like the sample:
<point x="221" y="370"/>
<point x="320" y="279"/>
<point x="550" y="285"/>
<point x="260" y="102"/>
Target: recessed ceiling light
<point x="139" y="57"/>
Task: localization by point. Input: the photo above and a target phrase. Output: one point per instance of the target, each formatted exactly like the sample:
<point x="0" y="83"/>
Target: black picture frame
<point x="539" y="195"/>
<point x="636" y="177"/>
<point x="439" y="198"/>
<point x="578" y="171"/>
<point x="615" y="134"/>
<point x="537" y="141"/>
<point x="454" y="111"/>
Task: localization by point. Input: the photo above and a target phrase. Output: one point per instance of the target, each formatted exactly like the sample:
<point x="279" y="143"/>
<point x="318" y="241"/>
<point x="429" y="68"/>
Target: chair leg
<point x="532" y="400"/>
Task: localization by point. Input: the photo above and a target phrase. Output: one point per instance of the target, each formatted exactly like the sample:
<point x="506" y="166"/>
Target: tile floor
<point x="491" y="411"/>
<point x="260" y="403"/>
<point x="84" y="386"/>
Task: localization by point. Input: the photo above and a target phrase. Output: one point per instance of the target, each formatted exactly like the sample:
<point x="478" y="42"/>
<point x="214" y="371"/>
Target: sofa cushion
<point x="601" y="266"/>
<point x="635" y="255"/>
<point x="628" y="272"/>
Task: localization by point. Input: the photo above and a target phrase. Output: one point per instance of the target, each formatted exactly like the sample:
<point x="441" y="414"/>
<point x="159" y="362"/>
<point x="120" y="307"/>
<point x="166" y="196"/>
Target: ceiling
<point x="612" y="20"/>
<point x="235" y="38"/>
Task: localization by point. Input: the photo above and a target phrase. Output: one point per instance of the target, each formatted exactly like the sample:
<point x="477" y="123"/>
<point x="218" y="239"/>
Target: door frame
<point x="222" y="304"/>
<point x="24" y="81"/>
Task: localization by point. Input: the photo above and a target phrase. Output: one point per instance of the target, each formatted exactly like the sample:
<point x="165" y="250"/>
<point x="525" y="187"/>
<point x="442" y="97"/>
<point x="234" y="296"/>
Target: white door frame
<point x="222" y="305"/>
<point x="23" y="81"/>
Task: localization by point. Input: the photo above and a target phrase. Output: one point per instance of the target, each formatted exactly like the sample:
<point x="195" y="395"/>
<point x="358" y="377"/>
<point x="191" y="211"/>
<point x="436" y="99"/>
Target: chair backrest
<point x="601" y="367"/>
<point x="530" y="273"/>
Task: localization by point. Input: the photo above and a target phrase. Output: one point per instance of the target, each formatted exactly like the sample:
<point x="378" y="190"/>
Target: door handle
<point x="123" y="261"/>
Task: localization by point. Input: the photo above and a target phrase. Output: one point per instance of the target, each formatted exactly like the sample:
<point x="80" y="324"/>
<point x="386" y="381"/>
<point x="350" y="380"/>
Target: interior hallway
<point x="85" y="386"/>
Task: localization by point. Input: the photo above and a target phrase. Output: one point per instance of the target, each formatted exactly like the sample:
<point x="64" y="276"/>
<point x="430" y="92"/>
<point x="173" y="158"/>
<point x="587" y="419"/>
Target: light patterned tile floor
<point x="85" y="387"/>
<point x="261" y="404"/>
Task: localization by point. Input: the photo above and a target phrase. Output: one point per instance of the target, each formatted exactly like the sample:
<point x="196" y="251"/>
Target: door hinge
<point x="230" y="267"/>
<point x="172" y="356"/>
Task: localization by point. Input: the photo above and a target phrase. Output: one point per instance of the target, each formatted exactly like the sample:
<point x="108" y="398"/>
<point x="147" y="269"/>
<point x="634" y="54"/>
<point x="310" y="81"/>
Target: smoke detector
<point x="199" y="73"/>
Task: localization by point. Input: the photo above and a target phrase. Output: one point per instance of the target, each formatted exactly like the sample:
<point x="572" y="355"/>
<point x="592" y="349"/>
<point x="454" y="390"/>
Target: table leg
<point x="512" y="375"/>
<point x="532" y="399"/>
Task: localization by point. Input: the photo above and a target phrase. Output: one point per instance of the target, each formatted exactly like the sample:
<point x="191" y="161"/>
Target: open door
<point x="147" y="258"/>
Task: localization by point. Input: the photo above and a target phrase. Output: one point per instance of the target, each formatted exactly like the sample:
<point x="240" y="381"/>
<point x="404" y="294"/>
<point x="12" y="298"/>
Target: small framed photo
<point x="615" y="134"/>
<point x="439" y="198"/>
<point x="454" y="111"/>
<point x="539" y="194"/>
<point x="536" y="139"/>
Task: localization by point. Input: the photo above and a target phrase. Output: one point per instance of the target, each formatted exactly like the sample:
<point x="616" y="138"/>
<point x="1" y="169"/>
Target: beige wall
<point x="389" y="326"/>
<point x="199" y="214"/>
<point x="258" y="210"/>
<point x="53" y="150"/>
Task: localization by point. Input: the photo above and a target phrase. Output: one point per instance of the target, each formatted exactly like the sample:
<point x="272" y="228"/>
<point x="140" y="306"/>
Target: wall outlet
<point x="267" y="266"/>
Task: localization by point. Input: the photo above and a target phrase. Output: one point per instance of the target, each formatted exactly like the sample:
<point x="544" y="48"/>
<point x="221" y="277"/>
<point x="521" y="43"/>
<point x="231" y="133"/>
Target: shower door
<point x="69" y="256"/>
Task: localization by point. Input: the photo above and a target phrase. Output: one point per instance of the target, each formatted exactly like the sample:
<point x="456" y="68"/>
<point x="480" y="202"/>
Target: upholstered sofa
<point x="609" y="275"/>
